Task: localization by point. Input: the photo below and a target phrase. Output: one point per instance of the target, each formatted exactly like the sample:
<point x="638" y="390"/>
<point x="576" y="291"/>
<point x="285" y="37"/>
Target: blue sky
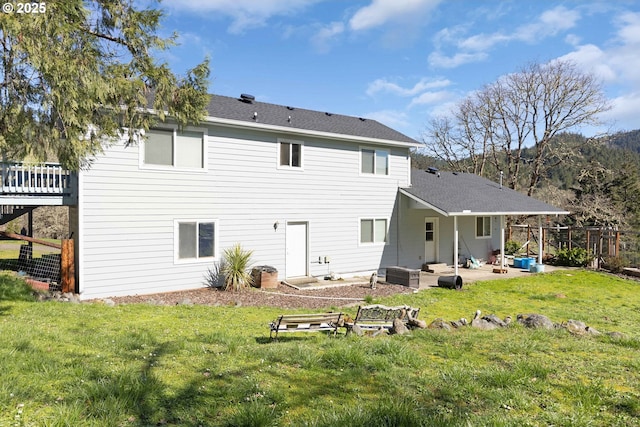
<point x="402" y="61"/>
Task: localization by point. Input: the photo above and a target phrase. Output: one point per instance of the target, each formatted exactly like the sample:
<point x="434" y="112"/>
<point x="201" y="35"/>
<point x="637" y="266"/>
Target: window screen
<point x="366" y="231"/>
<point x="368" y="161"/>
<point x="189" y="149"/>
<point x="158" y="148"/>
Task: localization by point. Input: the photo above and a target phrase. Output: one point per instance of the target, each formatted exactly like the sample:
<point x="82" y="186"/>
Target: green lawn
<point x="142" y="365"/>
<point x="10" y="249"/>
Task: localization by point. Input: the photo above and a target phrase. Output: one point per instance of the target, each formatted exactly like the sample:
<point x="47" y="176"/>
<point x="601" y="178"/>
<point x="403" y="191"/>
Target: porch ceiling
<point x="464" y="194"/>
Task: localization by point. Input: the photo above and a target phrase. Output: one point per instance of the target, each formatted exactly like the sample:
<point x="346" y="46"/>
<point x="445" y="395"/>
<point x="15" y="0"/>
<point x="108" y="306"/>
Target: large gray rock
<point x="492" y="318"/>
<point x="575" y="327"/>
<point x="439" y="324"/>
<point x="480" y="323"/>
<point x="357" y="330"/>
<point x="399" y="327"/>
<point x="535" y="321"/>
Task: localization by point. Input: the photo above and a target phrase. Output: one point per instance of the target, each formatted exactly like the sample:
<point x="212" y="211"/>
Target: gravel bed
<point x="282" y="297"/>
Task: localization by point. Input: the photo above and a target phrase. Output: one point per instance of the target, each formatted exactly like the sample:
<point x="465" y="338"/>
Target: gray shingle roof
<point x="225" y="107"/>
<point x="457" y="194"/>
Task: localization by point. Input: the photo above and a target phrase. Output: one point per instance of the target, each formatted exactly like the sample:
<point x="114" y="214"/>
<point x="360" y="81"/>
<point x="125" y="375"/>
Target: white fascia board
<point x="296" y="131"/>
<point x="478" y="213"/>
<point x="422" y="202"/>
<point x="50" y="200"/>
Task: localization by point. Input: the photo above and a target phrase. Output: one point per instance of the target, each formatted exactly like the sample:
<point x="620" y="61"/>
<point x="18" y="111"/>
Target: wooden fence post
<point x="67" y="267"/>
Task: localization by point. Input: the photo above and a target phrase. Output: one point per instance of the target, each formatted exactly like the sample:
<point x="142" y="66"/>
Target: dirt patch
<point x="282" y="297"/>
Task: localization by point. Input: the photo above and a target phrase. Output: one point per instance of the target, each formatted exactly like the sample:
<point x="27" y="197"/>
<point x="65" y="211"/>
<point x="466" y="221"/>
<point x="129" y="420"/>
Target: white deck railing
<point x="46" y="178"/>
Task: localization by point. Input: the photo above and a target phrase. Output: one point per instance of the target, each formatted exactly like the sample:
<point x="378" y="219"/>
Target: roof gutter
<point x="477" y="213"/>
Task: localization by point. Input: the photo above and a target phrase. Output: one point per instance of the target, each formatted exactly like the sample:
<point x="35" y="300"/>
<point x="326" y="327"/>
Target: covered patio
<point x="463" y="216"/>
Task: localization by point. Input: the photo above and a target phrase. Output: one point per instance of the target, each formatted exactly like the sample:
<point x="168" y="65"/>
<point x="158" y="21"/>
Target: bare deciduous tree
<point x="527" y="109"/>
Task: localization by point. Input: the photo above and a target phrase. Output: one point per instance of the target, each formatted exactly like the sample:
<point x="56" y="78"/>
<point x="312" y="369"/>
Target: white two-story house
<point x="309" y="192"/>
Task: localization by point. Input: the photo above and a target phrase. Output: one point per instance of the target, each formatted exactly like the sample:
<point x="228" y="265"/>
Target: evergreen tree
<point x="79" y="74"/>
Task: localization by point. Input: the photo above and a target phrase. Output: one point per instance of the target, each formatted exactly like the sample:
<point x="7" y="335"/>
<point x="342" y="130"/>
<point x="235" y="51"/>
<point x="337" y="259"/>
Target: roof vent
<point x="362" y="118"/>
<point x="244" y="97"/>
<point x="328" y="114"/>
<point x="432" y="170"/>
<point x="290" y="108"/>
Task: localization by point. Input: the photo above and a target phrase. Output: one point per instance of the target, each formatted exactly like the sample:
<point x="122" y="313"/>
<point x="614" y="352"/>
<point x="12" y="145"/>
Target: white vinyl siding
<point x="173" y="149"/>
<point x="483" y="227"/>
<point x="373" y="230"/>
<point x="244" y="193"/>
<point x="374" y="161"/>
<point x="290" y="154"/>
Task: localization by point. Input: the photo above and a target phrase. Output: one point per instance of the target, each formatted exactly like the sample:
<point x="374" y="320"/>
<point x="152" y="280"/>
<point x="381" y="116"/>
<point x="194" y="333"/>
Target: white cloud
<point x="381" y="12"/>
<point x="392" y="118"/>
<point x="549" y="23"/>
<point x="323" y="38"/>
<point x="592" y="59"/>
<point x="245" y="13"/>
<point x="573" y="39"/>
<point x="439" y="60"/>
<point x="481" y="42"/>
<point x="630" y="28"/>
<point x="615" y="63"/>
<point x="383" y="85"/>
<point x="624" y="111"/>
<point x="431" y="98"/>
<point x="475" y="47"/>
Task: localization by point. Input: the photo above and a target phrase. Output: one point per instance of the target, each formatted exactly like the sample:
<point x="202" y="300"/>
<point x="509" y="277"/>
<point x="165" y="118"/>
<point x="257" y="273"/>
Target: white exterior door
<point x="297" y="253"/>
<point x="431" y="240"/>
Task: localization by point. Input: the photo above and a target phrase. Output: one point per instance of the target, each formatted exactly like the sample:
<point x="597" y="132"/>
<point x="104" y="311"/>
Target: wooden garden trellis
<point x="600" y="241"/>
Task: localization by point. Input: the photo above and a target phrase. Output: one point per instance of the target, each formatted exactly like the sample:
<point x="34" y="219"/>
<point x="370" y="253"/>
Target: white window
<point x="373" y="230"/>
<point x="483" y="227"/>
<point x="373" y="161"/>
<point x="290" y="154"/>
<point x="174" y="149"/>
<point x="195" y="240"/>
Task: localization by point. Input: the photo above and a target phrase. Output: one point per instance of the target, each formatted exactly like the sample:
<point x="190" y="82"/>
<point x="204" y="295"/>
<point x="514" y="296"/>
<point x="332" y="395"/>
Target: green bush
<point x="235" y="268"/>
<point x="511" y="247"/>
<point x="615" y="264"/>
<point x="574" y="257"/>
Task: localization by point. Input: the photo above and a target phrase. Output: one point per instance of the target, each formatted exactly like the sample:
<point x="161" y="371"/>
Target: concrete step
<point x="437" y="268"/>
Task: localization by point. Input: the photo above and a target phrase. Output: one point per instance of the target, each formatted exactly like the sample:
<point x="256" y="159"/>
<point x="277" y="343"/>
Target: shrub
<point x="615" y="264"/>
<point x="235" y="268"/>
<point x="511" y="247"/>
<point x="574" y="257"/>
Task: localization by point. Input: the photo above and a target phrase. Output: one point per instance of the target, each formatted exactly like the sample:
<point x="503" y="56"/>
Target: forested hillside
<point x="627" y="140"/>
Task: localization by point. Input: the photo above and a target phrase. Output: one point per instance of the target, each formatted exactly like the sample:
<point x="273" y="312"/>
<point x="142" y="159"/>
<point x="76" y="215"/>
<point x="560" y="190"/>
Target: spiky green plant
<point x="235" y="268"/>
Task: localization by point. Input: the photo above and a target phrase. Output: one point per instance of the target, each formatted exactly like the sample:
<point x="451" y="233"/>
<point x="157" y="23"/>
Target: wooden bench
<point x="377" y="316"/>
<point x="306" y="323"/>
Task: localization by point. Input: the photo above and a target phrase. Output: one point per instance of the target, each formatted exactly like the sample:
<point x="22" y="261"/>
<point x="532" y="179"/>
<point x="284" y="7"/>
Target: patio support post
<point x="540" y="241"/>
<point x="502" y="234"/>
<point x="455" y="245"/>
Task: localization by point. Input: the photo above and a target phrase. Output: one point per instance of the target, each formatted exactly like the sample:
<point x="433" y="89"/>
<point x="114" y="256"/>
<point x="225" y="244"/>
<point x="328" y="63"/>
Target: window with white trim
<point x="196" y="240"/>
<point x="171" y="148"/>
<point x="290" y="154"/>
<point x="483" y="227"/>
<point x="373" y="161"/>
<point x="373" y="230"/>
